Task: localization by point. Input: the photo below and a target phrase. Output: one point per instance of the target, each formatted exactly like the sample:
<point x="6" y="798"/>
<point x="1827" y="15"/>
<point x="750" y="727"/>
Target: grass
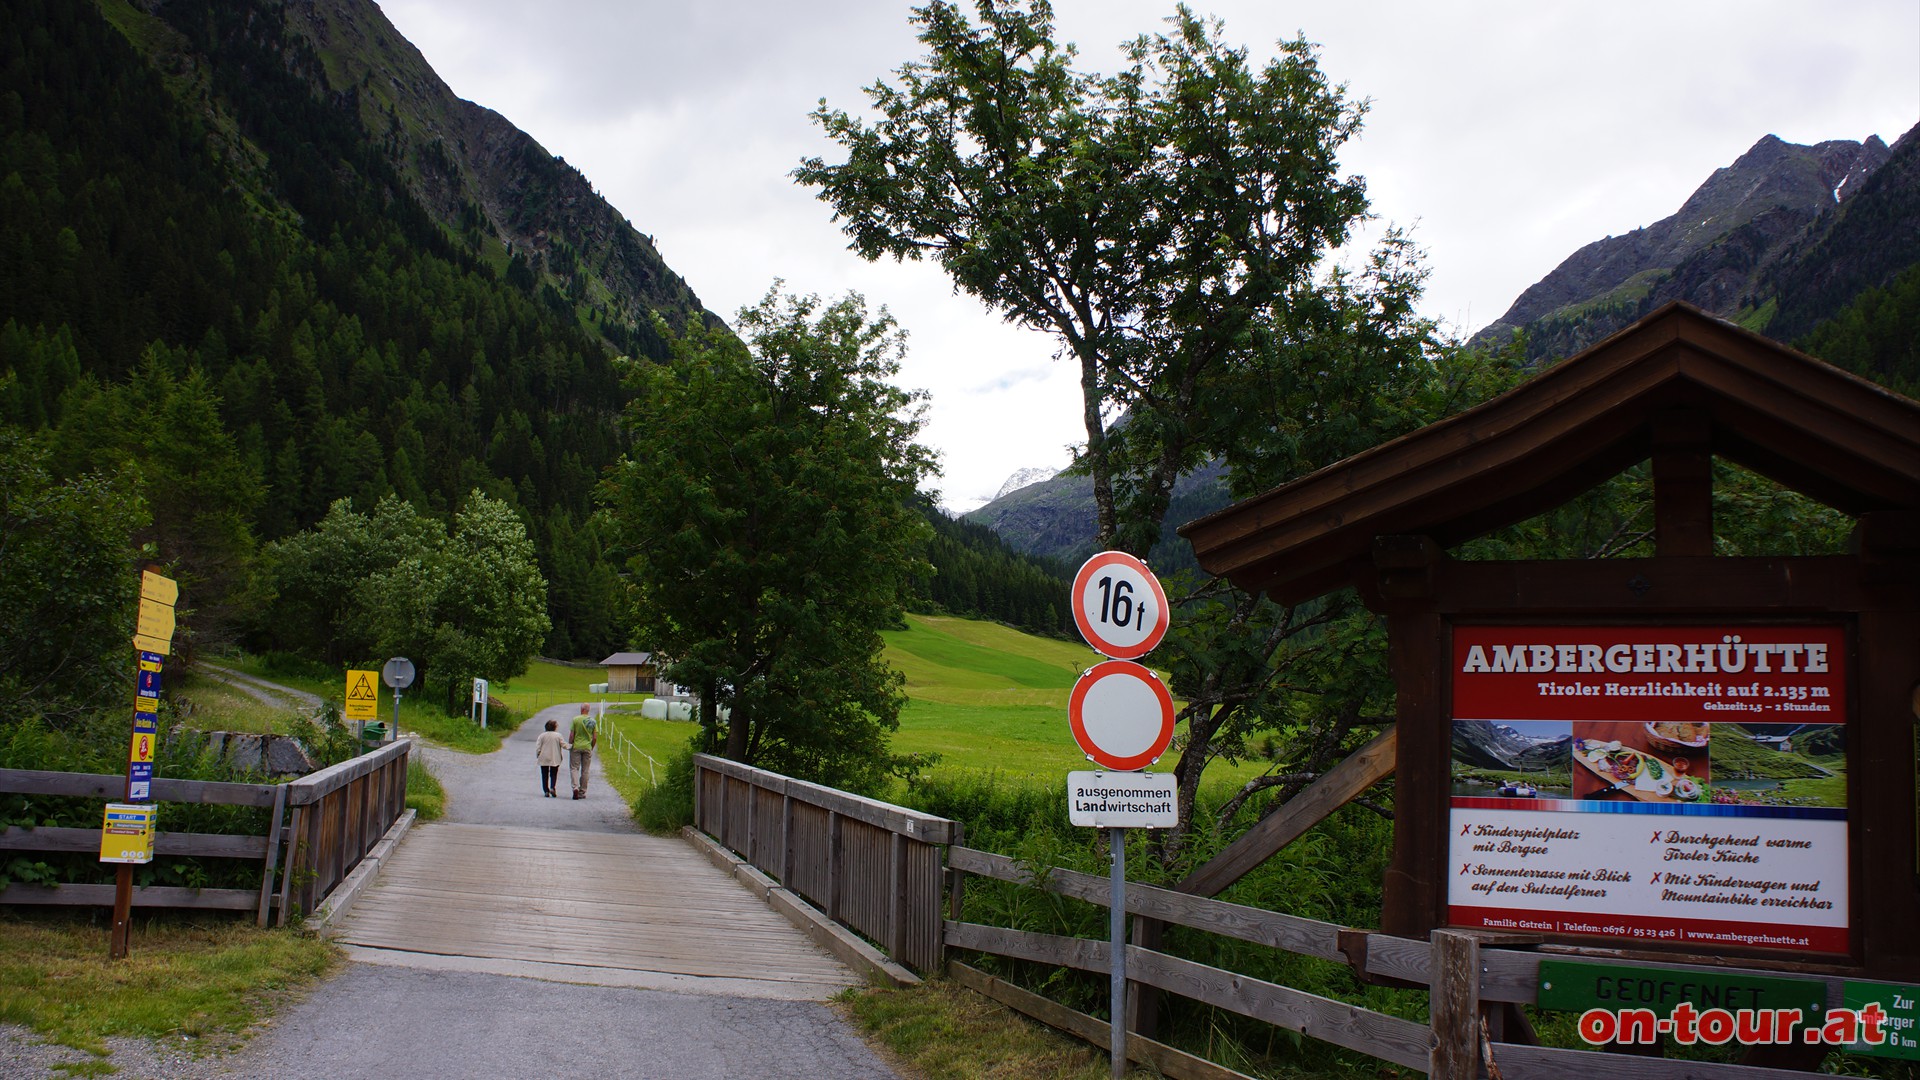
<point x="425" y="796"/>
<point x="944" y="1031"/>
<point x="204" y="982"/>
<point x="547" y="683"/>
<point x="990" y="699"/>
<point x="634" y="751"/>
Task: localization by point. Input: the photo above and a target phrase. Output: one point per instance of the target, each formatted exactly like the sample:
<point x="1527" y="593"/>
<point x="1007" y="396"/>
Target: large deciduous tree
<point x="466" y="603"/>
<point x="68" y="581"/>
<point x="765" y="513"/>
<point x="1171" y="226"/>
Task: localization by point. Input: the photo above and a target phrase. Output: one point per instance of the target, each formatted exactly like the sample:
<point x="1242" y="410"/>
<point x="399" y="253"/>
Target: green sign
<point x="1903" y="1017"/>
<point x="1569" y="986"/>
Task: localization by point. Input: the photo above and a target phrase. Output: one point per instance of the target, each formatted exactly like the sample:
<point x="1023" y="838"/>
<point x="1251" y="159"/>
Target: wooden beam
<point x="1309" y="937"/>
<point x="114" y="786"/>
<point x="1335" y="788"/>
<point x="1519" y="1062"/>
<point x="1683" y="484"/>
<point x="207" y="845"/>
<point x="1162" y="1058"/>
<point x="1388" y="1038"/>
<point x="152" y="896"/>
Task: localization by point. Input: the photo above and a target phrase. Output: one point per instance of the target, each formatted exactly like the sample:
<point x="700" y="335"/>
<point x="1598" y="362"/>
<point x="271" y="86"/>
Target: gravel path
<point x="261" y="690"/>
<point x="503" y="788"/>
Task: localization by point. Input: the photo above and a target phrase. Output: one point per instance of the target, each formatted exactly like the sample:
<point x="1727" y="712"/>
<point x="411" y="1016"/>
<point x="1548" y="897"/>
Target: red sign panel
<point x="1676" y="784"/>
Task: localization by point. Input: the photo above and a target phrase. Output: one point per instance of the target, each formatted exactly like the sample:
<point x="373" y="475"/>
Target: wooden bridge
<point x="571" y="906"/>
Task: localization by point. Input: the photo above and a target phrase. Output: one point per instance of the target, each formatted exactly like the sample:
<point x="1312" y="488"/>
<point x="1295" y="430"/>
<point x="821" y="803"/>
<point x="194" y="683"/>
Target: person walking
<point x="585" y="741"/>
<point x="550" y="749"/>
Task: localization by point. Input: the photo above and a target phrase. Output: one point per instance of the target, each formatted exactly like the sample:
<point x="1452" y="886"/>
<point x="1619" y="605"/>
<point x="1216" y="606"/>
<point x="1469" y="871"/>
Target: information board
<point x="1681" y="784"/>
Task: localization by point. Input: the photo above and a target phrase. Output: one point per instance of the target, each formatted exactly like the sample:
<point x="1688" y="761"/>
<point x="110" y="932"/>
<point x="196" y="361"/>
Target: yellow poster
<point x="126" y="836"/>
<point x="142" y="747"/>
<point x="363" y="695"/>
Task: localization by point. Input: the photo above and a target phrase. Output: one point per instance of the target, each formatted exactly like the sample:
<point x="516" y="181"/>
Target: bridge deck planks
<point x="600" y="900"/>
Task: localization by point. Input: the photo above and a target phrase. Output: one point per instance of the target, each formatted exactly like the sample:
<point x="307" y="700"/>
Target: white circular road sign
<point x="1119" y="606"/>
<point x="1121" y="715"/>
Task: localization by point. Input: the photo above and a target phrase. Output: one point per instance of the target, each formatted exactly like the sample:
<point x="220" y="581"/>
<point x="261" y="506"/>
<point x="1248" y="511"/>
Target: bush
<point x="668" y="806"/>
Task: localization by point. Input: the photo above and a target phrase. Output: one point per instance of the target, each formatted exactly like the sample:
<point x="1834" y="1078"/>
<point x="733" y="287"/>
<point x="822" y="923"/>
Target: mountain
<point x="274" y="219"/>
<point x="1745" y="245"/>
<point x="1498" y="746"/>
<point x="489" y="183"/>
<point x="1054" y="519"/>
<point x="1024" y="478"/>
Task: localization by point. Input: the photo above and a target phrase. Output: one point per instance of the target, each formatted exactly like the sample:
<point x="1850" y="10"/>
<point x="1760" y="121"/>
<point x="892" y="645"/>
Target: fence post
<point x="897" y="910"/>
<point x="786" y="840"/>
<point x="1454" y="1005"/>
<point x="273" y="852"/>
<point x="833" y="865"/>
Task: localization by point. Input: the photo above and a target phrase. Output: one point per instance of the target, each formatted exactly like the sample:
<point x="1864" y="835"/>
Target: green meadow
<point x="984" y="697"/>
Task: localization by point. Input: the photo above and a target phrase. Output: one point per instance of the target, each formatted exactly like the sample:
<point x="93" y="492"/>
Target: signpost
<point x="126" y="833"/>
<point x="397" y="673"/>
<point x="1122" y="716"/>
<point x="363" y="699"/>
<point x="479" y="700"/>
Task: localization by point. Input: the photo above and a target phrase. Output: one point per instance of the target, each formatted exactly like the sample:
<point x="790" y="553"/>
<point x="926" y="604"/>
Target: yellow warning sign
<point x="142" y="749"/>
<point x="363" y="695"/>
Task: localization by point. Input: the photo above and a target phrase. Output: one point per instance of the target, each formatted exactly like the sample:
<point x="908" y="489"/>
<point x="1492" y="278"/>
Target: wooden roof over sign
<point x="1837" y="438"/>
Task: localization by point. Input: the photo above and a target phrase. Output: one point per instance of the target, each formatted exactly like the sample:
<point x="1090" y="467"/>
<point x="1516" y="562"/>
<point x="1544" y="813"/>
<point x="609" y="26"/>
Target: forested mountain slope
<point x="259" y="254"/>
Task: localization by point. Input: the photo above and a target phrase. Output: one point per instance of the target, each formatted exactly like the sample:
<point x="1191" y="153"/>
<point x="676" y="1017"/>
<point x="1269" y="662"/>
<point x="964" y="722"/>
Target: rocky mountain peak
<point x="1770" y="194"/>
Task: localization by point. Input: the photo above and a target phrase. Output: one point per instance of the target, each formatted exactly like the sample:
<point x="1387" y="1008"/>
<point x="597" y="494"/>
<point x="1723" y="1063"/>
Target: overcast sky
<point x="1506" y="134"/>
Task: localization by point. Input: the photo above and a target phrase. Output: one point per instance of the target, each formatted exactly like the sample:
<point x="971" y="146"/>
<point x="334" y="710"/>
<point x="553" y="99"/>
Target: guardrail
<point x="338" y="813"/>
<point x="869" y="865"/>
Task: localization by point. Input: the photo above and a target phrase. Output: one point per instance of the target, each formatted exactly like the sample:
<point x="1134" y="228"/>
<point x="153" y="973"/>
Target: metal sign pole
<point x="1117" y="934"/>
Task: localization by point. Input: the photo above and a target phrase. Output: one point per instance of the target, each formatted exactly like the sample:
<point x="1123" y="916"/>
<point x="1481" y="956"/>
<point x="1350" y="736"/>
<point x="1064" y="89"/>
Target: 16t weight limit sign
<point x="1119" y="606"/>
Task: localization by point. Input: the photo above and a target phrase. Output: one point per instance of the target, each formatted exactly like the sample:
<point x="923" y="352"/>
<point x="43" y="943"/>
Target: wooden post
<point x="119" y="943"/>
<point x="832" y="901"/>
<point x="1454" y="1004"/>
<point x="1682" y="484"/>
<point x="273" y="852"/>
<point x="897" y="907"/>
<point x="786" y="840"/>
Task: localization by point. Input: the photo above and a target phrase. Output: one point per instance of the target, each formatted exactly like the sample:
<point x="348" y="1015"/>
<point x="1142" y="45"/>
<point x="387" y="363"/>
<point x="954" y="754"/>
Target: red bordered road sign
<point x="1121" y="715"/>
<point x="1119" y="606"/>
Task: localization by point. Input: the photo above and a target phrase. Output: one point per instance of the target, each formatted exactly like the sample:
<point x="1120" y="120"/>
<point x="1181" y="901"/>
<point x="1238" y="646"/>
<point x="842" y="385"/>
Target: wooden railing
<point x="338" y="814"/>
<point x="1461" y="1039"/>
<point x="868" y="865"/>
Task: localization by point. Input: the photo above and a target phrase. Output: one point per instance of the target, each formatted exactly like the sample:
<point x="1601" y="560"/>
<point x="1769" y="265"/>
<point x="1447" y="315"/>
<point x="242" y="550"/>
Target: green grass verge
<point x="634" y="751"/>
<point x="202" y="982"/>
<point x="945" y="1031"/>
<point x="425" y="796"/>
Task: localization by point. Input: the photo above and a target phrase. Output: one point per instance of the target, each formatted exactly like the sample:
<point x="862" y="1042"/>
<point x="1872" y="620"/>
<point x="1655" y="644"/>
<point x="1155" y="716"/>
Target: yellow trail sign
<point x="363" y="695"/>
<point x="161" y="590"/>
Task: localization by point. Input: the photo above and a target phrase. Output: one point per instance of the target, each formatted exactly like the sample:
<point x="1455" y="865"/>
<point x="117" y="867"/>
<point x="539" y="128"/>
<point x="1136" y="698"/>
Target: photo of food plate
<point x="1648" y="762"/>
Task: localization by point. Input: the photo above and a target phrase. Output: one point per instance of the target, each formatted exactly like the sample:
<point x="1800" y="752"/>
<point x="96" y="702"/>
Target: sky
<point x="1505" y="134"/>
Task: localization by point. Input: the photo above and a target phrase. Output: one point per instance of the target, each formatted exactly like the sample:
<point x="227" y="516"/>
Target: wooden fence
<point x="878" y="869"/>
<point x="868" y="865"/>
<point x="1470" y="1031"/>
<point x="338" y="814"/>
